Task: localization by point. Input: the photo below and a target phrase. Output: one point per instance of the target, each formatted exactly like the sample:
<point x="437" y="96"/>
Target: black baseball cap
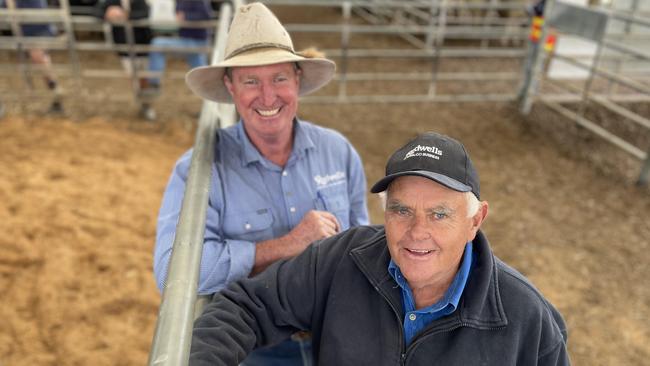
<point x="434" y="156"/>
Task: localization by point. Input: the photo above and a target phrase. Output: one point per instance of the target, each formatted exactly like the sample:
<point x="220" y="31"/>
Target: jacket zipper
<point x="399" y="322"/>
<point x="420" y="337"/>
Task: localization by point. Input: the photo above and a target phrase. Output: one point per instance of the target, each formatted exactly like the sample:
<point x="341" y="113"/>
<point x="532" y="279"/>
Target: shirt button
<point x="284" y="173"/>
<point x="292" y="209"/>
<point x="247" y="226"/>
<point x="412" y="317"/>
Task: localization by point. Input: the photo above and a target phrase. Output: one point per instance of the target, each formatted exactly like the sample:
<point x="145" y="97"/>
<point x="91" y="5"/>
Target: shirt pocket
<point x="335" y="199"/>
<point x="255" y="225"/>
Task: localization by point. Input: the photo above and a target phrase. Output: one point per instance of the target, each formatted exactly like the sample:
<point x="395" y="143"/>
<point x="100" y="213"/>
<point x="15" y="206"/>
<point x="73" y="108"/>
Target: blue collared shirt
<point x="252" y="199"/>
<point x="416" y="320"/>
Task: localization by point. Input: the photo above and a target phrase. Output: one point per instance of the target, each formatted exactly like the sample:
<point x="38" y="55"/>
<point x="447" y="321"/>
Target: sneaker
<point x="55" y="108"/>
<point x="147" y="112"/>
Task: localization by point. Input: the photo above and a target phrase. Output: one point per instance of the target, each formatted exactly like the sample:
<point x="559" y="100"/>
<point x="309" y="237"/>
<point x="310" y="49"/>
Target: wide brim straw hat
<point x="257" y="38"/>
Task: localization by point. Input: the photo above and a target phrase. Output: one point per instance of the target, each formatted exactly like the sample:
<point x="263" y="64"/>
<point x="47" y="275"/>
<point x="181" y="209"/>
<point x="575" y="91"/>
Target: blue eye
<point x="439" y="215"/>
<point x="402" y="211"/>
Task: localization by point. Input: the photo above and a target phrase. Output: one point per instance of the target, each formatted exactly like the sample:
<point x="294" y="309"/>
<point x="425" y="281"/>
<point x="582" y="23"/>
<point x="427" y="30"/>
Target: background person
<point x="186" y="10"/>
<point x="116" y="11"/>
<point x="278" y="183"/>
<point x="425" y="286"/>
<point x="39" y="56"/>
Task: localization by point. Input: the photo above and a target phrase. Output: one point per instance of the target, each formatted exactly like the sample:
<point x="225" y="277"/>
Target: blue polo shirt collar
<point x="415" y="320"/>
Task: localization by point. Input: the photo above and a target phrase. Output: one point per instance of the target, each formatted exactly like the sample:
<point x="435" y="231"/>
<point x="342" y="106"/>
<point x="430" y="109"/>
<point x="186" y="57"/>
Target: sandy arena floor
<point x="80" y="201"/>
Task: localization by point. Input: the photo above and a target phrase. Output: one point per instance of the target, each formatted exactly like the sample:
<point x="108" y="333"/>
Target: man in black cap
<point x="425" y="288"/>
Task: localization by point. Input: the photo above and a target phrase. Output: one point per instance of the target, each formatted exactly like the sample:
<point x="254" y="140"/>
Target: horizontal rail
<point x="617" y="98"/>
<point x="632" y="84"/>
<point x="397" y="4"/>
<point x="414" y="76"/>
<point x="599" y="131"/>
<point x="440" y="98"/>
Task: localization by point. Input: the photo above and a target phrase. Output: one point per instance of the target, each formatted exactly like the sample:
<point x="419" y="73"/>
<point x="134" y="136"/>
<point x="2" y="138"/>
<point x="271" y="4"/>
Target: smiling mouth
<point x="268" y="113"/>
<point x="419" y="252"/>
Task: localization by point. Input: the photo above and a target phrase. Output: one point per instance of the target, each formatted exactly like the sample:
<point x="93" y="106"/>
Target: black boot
<point x="55" y="108"/>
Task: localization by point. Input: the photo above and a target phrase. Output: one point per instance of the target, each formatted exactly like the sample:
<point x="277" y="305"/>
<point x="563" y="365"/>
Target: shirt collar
<point x="453" y="293"/>
<point x="301" y="143"/>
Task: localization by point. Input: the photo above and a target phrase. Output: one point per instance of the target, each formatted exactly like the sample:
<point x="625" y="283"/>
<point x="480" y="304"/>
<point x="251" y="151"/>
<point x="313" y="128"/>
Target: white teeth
<point x="268" y="113"/>
<point x="419" y="251"/>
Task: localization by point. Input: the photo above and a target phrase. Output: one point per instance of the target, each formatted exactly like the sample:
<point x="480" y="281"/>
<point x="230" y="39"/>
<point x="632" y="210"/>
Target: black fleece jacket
<point x="340" y="290"/>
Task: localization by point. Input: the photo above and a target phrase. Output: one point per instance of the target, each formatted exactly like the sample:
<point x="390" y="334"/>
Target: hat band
<point x="259" y="45"/>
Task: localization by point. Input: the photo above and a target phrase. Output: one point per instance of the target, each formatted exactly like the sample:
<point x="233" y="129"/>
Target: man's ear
<point x="228" y="83"/>
<point x="298" y="75"/>
<point x="478" y="218"/>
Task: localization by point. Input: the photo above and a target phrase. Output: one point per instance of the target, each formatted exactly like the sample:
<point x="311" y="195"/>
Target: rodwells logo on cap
<point x="425" y="151"/>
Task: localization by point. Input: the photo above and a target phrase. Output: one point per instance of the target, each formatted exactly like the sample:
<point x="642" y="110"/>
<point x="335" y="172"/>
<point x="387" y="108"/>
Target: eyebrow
<point x="391" y="205"/>
<point x="441" y="208"/>
<point x="444" y="208"/>
<point x="253" y="76"/>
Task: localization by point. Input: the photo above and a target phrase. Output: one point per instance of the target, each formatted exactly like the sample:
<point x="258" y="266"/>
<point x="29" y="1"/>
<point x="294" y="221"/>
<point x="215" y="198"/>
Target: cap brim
<point x="207" y="81"/>
<point x="451" y="183"/>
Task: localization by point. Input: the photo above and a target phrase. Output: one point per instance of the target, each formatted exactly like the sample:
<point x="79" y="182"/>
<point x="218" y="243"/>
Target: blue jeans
<point x="157" y="58"/>
<point x="287" y="353"/>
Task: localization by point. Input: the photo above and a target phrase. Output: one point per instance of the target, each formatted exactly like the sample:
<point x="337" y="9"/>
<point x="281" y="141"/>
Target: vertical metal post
<point x="612" y="87"/>
<point x="179" y="307"/>
<point x="534" y="65"/>
<point x="345" y="44"/>
<point x="71" y="39"/>
<point x="487" y="14"/>
<point x="590" y="79"/>
<point x="130" y="40"/>
<point x="436" y="44"/>
<point x="644" y="176"/>
<point x="431" y="31"/>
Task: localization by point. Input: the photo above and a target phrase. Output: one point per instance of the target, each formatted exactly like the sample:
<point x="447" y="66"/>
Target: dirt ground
<point x="80" y="196"/>
<point x="80" y="201"/>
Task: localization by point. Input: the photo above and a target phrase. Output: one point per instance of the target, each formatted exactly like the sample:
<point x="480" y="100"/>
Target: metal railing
<point x="179" y="306"/>
<point x="591" y="24"/>
<point x="429" y="40"/>
<point x="434" y="34"/>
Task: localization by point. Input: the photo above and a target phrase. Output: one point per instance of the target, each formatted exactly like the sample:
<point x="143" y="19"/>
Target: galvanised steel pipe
<point x="173" y="334"/>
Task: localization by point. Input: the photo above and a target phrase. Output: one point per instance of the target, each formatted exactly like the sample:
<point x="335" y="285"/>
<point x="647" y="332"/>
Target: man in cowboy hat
<point x="423" y="289"/>
<point x="278" y="183"/>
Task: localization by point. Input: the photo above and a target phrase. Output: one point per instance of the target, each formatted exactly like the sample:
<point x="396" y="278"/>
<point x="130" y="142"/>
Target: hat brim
<point x="207" y="81"/>
<point x="451" y="183"/>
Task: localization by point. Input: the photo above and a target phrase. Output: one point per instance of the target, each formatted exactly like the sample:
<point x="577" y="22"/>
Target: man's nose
<point x="420" y="229"/>
<point x="268" y="94"/>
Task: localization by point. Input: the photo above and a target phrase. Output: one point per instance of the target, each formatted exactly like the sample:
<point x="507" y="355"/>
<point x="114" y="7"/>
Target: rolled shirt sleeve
<point x="222" y="260"/>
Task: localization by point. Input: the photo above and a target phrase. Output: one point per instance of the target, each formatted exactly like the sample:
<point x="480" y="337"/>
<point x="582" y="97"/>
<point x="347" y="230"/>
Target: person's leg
<point x="196" y="59"/>
<point x="41" y="58"/>
<point x="157" y="59"/>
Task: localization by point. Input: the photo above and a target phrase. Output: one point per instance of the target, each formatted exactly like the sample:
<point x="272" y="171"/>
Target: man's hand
<point x="115" y="13"/>
<point x="315" y="225"/>
<point x="180" y="16"/>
